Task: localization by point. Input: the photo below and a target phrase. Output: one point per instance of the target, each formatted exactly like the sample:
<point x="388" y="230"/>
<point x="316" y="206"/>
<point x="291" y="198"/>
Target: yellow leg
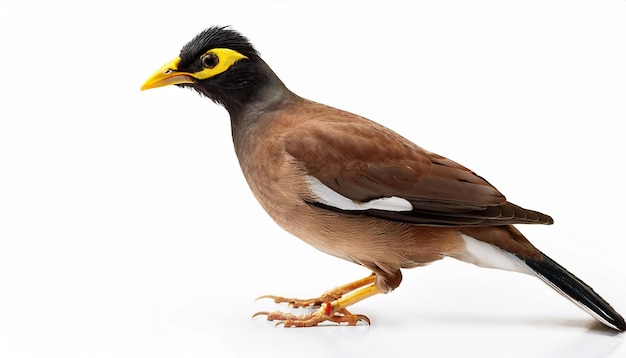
<point x="351" y="298"/>
<point x="333" y="310"/>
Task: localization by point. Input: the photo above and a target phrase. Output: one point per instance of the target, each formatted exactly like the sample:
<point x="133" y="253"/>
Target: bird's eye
<point x="210" y="60"/>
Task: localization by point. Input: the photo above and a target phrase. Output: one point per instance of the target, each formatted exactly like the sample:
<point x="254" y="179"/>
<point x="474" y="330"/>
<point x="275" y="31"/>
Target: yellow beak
<point x="167" y="75"/>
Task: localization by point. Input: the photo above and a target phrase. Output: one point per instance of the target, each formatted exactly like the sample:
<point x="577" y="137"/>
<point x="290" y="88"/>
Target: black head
<point x="219" y="63"/>
<point x="215" y="37"/>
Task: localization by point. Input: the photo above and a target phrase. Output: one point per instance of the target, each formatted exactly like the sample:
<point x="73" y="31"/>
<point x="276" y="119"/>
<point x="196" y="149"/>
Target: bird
<point x="356" y="190"/>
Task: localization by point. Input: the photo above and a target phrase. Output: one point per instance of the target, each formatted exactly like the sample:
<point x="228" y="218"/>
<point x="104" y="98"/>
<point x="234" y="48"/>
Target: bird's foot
<point x="332" y="305"/>
<point x="323" y="314"/>
<point x="328" y="296"/>
<point x="317" y="302"/>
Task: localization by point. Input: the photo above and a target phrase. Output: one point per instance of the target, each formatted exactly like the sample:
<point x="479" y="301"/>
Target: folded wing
<point x="371" y="166"/>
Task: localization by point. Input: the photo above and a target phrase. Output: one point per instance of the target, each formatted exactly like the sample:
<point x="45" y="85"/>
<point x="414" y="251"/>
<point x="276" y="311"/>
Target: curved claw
<point x="264" y="297"/>
<point x="261" y="313"/>
<point x="363" y="318"/>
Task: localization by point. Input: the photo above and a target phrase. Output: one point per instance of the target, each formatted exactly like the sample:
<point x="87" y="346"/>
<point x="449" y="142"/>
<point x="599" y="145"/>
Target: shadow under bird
<point x="356" y="190"/>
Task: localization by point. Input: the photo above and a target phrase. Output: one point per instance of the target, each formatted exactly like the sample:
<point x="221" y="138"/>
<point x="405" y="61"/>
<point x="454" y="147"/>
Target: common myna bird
<point x="357" y="190"/>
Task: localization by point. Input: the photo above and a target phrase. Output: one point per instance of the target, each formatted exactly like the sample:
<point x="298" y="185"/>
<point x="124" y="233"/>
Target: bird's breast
<point x="274" y="177"/>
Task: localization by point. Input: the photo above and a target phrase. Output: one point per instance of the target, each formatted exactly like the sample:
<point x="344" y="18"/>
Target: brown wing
<point x="363" y="160"/>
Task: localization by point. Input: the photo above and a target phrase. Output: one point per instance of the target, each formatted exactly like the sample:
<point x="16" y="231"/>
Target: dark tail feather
<point x="576" y="290"/>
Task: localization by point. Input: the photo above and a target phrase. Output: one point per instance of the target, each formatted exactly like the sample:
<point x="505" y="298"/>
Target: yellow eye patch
<point x="225" y="58"/>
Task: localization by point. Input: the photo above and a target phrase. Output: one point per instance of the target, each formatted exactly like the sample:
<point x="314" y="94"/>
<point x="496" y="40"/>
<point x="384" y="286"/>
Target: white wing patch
<point x="327" y="196"/>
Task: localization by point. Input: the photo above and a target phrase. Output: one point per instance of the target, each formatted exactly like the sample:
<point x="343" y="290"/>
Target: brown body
<point x="266" y="149"/>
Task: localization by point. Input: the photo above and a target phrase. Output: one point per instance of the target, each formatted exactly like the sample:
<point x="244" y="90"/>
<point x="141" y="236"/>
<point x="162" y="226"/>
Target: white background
<point x="127" y="229"/>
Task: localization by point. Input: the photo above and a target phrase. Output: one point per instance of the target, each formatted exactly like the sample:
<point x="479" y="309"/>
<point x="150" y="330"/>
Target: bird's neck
<point x="255" y="102"/>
